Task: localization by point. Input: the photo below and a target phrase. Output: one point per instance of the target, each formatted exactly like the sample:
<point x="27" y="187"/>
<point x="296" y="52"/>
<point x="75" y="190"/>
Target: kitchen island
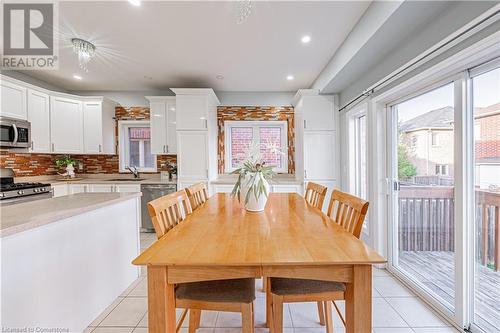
<point x="64" y="260"/>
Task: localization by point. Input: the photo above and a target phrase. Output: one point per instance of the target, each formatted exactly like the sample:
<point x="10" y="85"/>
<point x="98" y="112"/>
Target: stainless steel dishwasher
<point x="149" y="193"/>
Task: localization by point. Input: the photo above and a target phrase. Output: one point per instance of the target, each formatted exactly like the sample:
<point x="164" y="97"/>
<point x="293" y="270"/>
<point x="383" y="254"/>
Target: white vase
<point x="253" y="204"/>
<point x="70" y="169"/>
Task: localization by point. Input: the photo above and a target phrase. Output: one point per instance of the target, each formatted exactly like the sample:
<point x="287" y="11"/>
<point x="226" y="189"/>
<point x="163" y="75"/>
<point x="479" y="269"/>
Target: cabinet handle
<point x="53" y="147"/>
<point x="100" y="148"/>
<point x="305" y="174"/>
<point x="206" y="123"/>
<point x="167" y="148"/>
<point x="207" y="172"/>
<point x="164" y="148"/>
<point x="32" y="145"/>
<point x="304" y="123"/>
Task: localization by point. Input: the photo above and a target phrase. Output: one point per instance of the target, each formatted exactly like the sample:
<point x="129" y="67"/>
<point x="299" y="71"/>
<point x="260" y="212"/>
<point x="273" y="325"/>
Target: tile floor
<point x="395" y="310"/>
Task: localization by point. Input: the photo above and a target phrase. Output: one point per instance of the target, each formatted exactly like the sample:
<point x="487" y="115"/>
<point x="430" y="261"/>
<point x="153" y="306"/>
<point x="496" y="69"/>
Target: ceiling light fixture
<point x="290" y="77"/>
<point x="77" y="77"/>
<point x="136" y="3"/>
<point x="244" y="10"/>
<point x="85" y="51"/>
<point x="305" y="39"/>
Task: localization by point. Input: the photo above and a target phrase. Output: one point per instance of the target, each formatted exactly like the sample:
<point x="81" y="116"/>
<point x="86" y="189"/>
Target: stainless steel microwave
<point x="14" y="133"/>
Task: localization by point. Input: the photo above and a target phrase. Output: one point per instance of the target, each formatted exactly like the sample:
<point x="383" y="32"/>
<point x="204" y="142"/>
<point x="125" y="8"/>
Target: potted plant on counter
<point x="253" y="179"/>
<point x="69" y="164"/>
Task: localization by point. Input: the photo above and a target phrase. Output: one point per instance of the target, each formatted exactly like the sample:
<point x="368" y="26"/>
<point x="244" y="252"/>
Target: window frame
<point x="255" y="125"/>
<point x="124" y="149"/>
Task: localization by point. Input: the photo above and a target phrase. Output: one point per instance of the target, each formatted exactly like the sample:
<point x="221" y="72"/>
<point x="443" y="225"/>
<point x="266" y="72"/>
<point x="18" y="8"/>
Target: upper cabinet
<point x="99" y="127"/>
<point x="194" y="107"/>
<point x="317" y="111"/>
<point x="66" y="124"/>
<point x="163" y="124"/>
<point x="13" y="99"/>
<point x="39" y="117"/>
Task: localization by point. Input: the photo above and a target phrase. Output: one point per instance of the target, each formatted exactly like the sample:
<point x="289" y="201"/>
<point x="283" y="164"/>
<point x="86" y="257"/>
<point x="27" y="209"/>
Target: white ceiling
<point x="187" y="44"/>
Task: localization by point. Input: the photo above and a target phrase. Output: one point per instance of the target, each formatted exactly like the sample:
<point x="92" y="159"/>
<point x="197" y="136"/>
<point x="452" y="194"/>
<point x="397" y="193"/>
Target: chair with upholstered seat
<point x="349" y="212"/>
<point x="235" y="295"/>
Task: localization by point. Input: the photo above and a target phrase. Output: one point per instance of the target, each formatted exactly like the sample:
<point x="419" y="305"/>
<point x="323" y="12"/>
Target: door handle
<point x="16" y="134"/>
<point x="397" y="186"/>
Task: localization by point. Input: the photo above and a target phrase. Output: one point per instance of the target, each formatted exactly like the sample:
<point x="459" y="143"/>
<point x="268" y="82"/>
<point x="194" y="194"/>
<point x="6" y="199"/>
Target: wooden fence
<point x="426" y="221"/>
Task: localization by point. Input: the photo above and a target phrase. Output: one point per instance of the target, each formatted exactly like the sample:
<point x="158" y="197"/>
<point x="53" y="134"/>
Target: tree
<point x="405" y="168"/>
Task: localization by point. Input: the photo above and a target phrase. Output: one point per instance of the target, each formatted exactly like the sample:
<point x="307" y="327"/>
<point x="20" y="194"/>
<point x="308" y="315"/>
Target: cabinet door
<point x="192" y="112"/>
<point x="171" y="128"/>
<point x="92" y="127"/>
<point x="39" y="117"/>
<point x="126" y="188"/>
<point x="222" y="188"/>
<point x="66" y="124"/>
<point x="59" y="190"/>
<point x="318" y="113"/>
<point x="287" y="189"/>
<point x="77" y="188"/>
<point x="101" y="188"/>
<point x="319" y="155"/>
<point x="158" y="121"/>
<point x="192" y="158"/>
<point x="13" y="100"/>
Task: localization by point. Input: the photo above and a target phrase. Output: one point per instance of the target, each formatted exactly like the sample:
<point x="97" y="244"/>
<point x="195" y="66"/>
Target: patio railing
<point x="426" y="221"/>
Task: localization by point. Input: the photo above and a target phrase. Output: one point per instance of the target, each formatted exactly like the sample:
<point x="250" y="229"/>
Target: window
<point x="270" y="136"/>
<point x="442" y="169"/>
<point x="360" y="128"/>
<point x="435" y="139"/>
<point x="135" y="146"/>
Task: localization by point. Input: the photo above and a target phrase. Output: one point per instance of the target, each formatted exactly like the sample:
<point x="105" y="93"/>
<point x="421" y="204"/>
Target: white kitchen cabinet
<point x="13" y="99"/>
<point x="66" y="125"/>
<point x="100" y="188"/>
<point x="222" y="188"/>
<point x="99" y="127"/>
<point x="318" y="112"/>
<point x="287" y="188"/>
<point x="59" y="190"/>
<point x="77" y="188"/>
<point x="193" y="108"/>
<point x="39" y="117"/>
<point x="127" y="188"/>
<point x="163" y="124"/>
<point x="319" y="155"/>
<point x="192" y="158"/>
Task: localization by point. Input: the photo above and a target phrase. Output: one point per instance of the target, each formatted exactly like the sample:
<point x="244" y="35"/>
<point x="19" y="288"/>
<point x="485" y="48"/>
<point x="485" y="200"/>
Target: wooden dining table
<point x="290" y="238"/>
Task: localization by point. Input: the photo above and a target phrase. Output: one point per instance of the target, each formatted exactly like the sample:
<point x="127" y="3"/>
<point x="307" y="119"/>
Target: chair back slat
<point x="348" y="211"/>
<point x="168" y="211"/>
<point x="315" y="194"/>
<point x="197" y="195"/>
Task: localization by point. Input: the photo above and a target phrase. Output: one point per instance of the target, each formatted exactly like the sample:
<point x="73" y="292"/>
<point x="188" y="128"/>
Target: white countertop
<point x="100" y="179"/>
<point x="277" y="180"/>
<point x="28" y="215"/>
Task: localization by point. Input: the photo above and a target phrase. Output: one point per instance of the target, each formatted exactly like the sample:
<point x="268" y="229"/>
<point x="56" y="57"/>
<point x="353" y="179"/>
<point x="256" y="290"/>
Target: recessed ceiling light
<point x="136" y="3"/>
<point x="305" y="39"/>
<point x="220" y="77"/>
<point x="77" y="77"/>
<point x="290" y="77"/>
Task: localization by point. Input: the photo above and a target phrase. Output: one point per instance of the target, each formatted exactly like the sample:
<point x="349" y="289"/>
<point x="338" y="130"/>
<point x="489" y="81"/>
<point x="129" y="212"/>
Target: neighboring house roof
<point x="439" y="118"/>
<point x="487" y="111"/>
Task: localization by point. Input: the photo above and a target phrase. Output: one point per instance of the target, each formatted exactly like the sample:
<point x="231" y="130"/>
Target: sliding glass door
<point x="486" y="242"/>
<point x="423" y="223"/>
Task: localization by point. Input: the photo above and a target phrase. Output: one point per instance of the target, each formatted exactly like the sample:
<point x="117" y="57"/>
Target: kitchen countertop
<point x="277" y="180"/>
<point x="100" y="179"/>
<point x="30" y="215"/>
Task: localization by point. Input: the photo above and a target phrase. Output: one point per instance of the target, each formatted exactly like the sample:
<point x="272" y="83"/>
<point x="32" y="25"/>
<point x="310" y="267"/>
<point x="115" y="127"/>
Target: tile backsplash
<point x="27" y="164"/>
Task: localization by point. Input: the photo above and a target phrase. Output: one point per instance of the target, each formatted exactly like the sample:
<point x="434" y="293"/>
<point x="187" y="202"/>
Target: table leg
<point x="358" y="300"/>
<point x="161" y="301"/>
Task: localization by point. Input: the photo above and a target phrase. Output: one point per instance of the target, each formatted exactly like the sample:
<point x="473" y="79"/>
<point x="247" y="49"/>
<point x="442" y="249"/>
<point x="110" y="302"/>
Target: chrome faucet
<point x="133" y="170"/>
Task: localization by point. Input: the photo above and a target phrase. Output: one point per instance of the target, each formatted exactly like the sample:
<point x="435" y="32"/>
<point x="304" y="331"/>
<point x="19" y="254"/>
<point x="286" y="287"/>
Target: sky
<point x="486" y="92"/>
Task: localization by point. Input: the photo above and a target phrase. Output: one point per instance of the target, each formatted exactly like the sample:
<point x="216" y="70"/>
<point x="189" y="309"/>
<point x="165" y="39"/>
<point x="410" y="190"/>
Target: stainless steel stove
<point x="11" y="193"/>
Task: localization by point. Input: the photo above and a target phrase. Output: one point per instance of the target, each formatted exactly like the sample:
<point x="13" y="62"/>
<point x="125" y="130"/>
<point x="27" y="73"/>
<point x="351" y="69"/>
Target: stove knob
<point x="42" y="189"/>
<point x="20" y="192"/>
<point x="36" y="190"/>
<point x="2" y="195"/>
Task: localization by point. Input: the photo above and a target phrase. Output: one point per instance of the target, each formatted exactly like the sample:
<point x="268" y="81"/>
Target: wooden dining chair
<point x="197" y="194"/>
<point x="315" y="194"/>
<point x="349" y="212"/>
<point x="234" y="295"/>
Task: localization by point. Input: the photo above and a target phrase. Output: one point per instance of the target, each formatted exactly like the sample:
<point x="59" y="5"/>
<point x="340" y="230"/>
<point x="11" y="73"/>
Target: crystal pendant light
<point x="244" y="11"/>
<point x="85" y="51"/>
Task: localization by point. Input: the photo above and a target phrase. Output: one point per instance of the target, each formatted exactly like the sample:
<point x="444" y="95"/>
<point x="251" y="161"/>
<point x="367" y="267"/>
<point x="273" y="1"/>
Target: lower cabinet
<point x="127" y="188"/>
<point x="221" y="188"/>
<point x="59" y="190"/>
<point x="287" y="189"/>
<point x="77" y="188"/>
<point x="101" y="188"/>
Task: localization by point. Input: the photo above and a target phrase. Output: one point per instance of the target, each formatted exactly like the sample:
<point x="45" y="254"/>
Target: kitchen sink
<point x="126" y="180"/>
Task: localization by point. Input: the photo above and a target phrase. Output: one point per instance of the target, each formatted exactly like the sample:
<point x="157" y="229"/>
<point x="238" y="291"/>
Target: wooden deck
<point x="436" y="271"/>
